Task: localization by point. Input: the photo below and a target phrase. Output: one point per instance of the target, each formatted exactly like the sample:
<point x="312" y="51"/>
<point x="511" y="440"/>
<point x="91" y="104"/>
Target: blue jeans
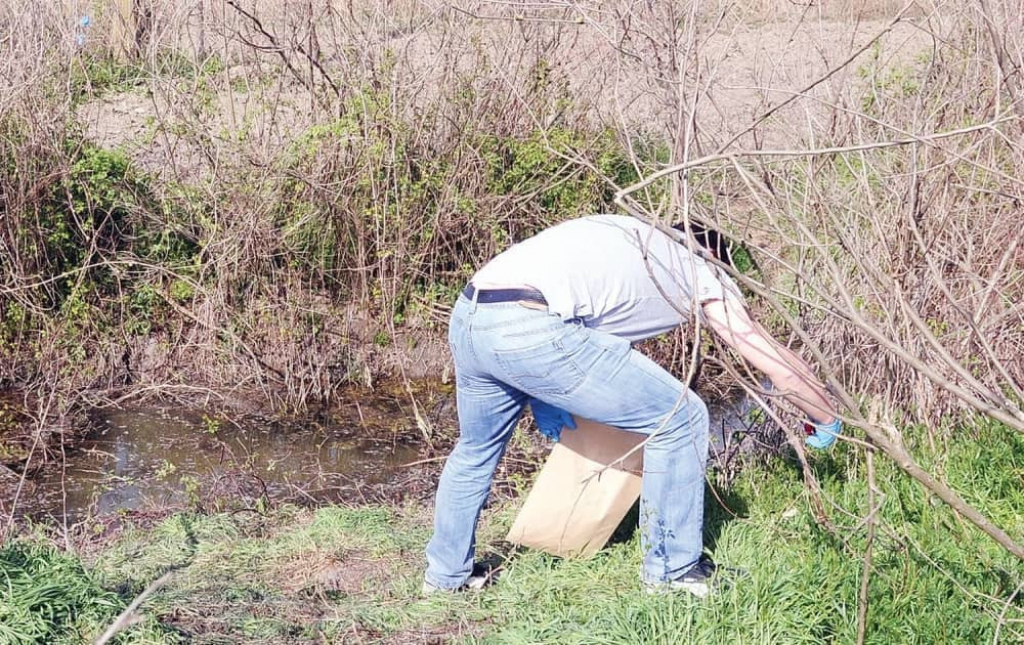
<point x="505" y="353"/>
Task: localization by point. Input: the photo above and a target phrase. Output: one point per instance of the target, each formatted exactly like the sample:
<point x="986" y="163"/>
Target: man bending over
<point x="551" y="322"/>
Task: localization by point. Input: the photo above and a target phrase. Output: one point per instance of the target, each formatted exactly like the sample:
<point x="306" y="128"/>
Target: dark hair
<point x="710" y="239"/>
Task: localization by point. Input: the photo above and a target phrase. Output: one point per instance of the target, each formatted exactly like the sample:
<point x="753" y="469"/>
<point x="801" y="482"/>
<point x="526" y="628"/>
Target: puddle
<point x="152" y="458"/>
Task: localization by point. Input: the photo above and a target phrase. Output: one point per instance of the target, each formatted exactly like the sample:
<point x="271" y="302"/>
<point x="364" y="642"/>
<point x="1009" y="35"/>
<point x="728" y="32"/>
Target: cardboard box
<point x="582" y="493"/>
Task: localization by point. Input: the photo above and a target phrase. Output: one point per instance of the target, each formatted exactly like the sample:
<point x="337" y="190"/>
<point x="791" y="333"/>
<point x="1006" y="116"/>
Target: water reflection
<point x="150" y="458"/>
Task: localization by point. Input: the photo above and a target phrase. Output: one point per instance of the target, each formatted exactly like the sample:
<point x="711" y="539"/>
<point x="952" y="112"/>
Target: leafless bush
<point x="897" y="216"/>
<point x="309" y="160"/>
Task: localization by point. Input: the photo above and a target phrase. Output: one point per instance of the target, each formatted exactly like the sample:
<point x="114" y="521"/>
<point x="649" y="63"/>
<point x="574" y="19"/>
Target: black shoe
<point x="700" y="580"/>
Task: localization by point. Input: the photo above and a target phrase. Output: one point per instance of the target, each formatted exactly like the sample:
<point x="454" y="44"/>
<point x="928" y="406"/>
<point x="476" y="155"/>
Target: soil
<point x="319" y="573"/>
<point x="167" y="130"/>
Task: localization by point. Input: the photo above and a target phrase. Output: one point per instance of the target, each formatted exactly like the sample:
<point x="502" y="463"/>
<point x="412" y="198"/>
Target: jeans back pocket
<point x="540" y="368"/>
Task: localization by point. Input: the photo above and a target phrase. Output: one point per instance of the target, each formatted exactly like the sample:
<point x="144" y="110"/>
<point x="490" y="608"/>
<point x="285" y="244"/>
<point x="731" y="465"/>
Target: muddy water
<point x="155" y="458"/>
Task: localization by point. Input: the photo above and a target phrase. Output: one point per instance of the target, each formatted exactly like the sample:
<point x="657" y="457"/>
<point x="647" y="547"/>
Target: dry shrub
<point x="61" y="224"/>
<point x="308" y="156"/>
<point x="907" y="258"/>
<point x="322" y="181"/>
<point x="886" y="233"/>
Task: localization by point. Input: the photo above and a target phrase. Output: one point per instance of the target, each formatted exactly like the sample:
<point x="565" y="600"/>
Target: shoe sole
<point x="699" y="589"/>
<point x="474" y="583"/>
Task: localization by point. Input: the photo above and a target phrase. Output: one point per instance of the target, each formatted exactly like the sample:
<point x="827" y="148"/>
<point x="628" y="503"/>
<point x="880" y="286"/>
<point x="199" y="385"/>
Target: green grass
<point x="353" y="574"/>
<point x="804" y="581"/>
<point x="48" y="597"/>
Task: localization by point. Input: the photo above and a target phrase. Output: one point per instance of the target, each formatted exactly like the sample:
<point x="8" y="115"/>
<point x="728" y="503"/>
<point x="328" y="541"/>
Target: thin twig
<point x="810" y="152"/>
<point x="865" y="575"/>
<point x="1002" y="614"/>
<point x="127" y="617"/>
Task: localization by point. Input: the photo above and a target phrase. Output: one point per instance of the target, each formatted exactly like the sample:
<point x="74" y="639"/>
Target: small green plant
<point x="87" y="215"/>
<point x="96" y="74"/>
<point x="165" y="469"/>
<point x="211" y="425"/>
<point x="890" y="84"/>
<point x="536" y="166"/>
<point x="742" y="259"/>
<point x="12" y="324"/>
<point x="182" y="291"/>
<point x="193" y="492"/>
<point x="142" y="305"/>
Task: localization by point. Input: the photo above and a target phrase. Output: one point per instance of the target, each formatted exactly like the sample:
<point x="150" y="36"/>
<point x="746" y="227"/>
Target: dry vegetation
<point x="284" y="197"/>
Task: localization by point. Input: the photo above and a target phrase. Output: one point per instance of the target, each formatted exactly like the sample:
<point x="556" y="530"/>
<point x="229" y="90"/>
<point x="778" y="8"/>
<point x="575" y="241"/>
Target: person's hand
<point x="550" y="419"/>
<point x="822" y="435"/>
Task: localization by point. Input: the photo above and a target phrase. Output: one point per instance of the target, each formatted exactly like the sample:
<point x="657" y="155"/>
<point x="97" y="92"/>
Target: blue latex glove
<point x="822" y="435"/>
<point x="550" y="419"/>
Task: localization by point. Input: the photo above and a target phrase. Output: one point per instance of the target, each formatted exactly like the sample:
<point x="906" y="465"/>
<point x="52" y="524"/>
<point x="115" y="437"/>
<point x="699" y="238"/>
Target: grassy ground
<point x="353" y="574"/>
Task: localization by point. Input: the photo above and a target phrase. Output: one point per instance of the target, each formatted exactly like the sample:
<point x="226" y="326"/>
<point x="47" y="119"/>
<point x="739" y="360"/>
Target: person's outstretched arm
<point x="788" y="372"/>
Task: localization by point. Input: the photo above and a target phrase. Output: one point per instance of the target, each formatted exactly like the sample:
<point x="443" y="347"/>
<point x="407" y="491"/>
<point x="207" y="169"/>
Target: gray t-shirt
<point x="593" y="268"/>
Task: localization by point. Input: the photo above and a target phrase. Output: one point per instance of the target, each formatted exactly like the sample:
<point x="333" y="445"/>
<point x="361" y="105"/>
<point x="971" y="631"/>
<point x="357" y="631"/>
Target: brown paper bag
<point x="571" y="511"/>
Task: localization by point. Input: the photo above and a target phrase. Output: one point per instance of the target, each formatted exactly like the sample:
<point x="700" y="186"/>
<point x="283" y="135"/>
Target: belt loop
<point x="476" y="296"/>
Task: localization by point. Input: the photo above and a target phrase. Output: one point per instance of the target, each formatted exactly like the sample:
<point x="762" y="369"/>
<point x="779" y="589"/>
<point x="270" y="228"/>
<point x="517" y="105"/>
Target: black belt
<point x="504" y="295"/>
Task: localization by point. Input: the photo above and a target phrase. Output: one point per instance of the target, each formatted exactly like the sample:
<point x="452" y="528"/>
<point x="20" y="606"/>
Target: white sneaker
<point x="700" y="580"/>
<point x="479" y="578"/>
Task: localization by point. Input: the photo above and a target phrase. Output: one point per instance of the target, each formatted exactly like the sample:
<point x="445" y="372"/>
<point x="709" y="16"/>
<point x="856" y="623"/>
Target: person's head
<point x="712" y="241"/>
